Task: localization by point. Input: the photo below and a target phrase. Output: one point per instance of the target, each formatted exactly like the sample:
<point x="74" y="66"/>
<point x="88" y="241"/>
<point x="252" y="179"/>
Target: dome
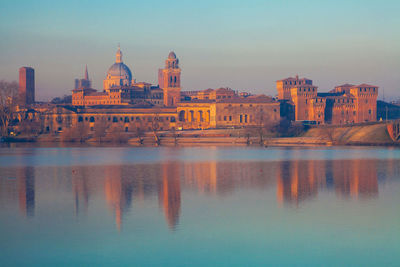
<point x="120" y="70"/>
<point x="172" y="55"/>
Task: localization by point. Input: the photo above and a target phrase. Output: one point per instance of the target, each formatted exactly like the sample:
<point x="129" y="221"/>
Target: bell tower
<point x="169" y="79"/>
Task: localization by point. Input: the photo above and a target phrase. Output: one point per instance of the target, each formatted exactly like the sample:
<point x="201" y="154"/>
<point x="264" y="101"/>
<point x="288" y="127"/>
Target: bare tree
<point x="8" y="103"/>
<point x="329" y="133"/>
<point x="139" y="131"/>
<point x="77" y="133"/>
<point x="264" y="124"/>
<point x="100" y="128"/>
<point x="117" y="134"/>
<point x="155" y="125"/>
<point x="82" y="131"/>
<point x="29" y="127"/>
<point x="174" y="135"/>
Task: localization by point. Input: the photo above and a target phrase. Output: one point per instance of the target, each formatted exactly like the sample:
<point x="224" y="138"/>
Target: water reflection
<point x="26" y="190"/>
<point x="169" y="193"/>
<point x="294" y="182"/>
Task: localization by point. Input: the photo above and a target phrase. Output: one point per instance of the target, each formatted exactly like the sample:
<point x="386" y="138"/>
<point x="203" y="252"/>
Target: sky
<point x="244" y="45"/>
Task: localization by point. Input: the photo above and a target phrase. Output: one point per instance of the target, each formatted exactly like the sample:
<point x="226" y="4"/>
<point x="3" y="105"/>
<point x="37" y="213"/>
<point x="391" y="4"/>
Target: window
<point x="172" y="119"/>
<point x="115" y="119"/>
<point x="224" y="118"/>
<point x="241" y="118"/>
<point x="80" y="119"/>
<point x="230" y="118"/>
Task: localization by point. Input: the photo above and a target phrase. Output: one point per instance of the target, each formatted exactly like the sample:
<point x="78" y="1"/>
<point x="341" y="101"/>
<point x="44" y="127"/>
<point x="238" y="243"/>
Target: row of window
<point x="243" y="118"/>
<point x="304" y="89"/>
<point x="127" y="119"/>
<point x="298" y="82"/>
<point x="367" y="88"/>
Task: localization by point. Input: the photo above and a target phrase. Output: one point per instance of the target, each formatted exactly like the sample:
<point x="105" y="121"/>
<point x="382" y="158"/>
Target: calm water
<point x="218" y="206"/>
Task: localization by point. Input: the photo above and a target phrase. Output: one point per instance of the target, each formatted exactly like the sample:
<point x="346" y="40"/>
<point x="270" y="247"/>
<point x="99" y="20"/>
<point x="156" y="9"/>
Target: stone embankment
<point x="361" y="134"/>
<point x="365" y="134"/>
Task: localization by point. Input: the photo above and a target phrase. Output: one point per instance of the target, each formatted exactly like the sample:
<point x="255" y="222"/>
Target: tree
<point x="329" y="133"/>
<point x="155" y="125"/>
<point x="29" y="127"/>
<point x="82" y="131"/>
<point x="77" y="133"/>
<point x="139" y="131"/>
<point x="117" y="134"/>
<point x="8" y="104"/>
<point x="174" y="135"/>
<point x="66" y="99"/>
<point x="264" y="124"/>
<point x="100" y="128"/>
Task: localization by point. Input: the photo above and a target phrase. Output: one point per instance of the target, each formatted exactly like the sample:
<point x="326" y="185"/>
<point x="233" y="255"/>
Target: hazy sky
<point x="245" y="45"/>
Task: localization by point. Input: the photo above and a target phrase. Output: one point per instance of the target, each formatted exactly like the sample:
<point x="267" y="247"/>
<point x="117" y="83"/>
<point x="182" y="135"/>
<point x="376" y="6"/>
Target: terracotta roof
<point x="250" y="99"/>
<point x="294" y="79"/>
<point x="365" y="85"/>
<point x="345" y="85"/>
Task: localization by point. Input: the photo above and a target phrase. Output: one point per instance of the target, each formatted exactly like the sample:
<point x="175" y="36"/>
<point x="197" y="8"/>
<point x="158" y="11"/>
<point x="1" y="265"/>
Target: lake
<point x="199" y="206"/>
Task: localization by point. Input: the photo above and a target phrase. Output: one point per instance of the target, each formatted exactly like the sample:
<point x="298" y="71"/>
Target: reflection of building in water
<point x="81" y="187"/>
<point x="169" y="193"/>
<point x="202" y="175"/>
<point x="26" y="190"/>
<point x="118" y="192"/>
<point x="355" y="178"/>
<point x="223" y="177"/>
<point x="299" y="180"/>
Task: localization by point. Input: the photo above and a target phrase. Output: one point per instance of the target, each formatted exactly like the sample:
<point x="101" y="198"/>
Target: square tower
<point x="26" y="89"/>
<point x="169" y="80"/>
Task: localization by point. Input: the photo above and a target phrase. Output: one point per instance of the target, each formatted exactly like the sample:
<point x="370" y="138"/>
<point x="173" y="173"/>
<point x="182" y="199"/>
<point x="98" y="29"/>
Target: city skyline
<point x="246" y="47"/>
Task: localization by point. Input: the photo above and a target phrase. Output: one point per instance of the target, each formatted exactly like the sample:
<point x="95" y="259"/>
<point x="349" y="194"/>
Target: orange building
<point x="169" y="79"/>
<point x="120" y="88"/>
<point x="214" y="94"/>
<point x="344" y="104"/>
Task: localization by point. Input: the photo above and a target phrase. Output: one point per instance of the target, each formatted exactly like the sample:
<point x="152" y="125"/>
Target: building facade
<point x="344" y="104"/>
<point x="26" y="90"/>
<point x="121" y="89"/>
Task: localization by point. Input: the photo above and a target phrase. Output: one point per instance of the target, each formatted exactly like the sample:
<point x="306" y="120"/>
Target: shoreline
<point x="206" y="141"/>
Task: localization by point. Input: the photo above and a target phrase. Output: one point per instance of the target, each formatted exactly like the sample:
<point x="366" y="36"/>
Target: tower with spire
<point x="83" y="83"/>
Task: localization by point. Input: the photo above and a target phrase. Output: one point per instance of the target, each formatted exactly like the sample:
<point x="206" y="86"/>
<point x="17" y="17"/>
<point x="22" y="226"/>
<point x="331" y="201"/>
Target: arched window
<point x="181" y="116"/>
<point x="80" y="119"/>
<point x="91" y="119"/>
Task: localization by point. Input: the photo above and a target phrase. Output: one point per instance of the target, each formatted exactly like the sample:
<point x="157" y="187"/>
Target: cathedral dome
<point x="172" y="55"/>
<point x="120" y="70"/>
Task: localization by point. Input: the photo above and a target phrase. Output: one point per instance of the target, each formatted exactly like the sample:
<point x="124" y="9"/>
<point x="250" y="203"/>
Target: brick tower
<point x="26" y="88"/>
<point x="301" y="96"/>
<point x="169" y="79"/>
<point x="365" y="100"/>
